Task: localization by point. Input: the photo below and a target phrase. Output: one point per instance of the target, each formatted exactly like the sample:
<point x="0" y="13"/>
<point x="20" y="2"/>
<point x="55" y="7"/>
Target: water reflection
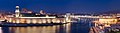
<point x="67" y="28"/>
<point x="40" y="29"/>
<point x="0" y="30"/>
<point x="79" y="27"/>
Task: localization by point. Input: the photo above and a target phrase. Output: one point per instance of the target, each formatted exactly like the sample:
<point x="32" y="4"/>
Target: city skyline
<point x="59" y="16"/>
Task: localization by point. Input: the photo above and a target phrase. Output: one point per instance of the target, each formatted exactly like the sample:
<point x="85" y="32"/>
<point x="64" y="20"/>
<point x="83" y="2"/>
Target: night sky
<point x="62" y="6"/>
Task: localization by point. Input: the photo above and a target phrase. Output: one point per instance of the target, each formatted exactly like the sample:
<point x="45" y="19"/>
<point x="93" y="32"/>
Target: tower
<point x="68" y="19"/>
<point x="17" y="12"/>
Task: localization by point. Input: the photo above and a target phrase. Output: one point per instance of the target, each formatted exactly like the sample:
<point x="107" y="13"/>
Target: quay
<point x="93" y="30"/>
<point x="6" y="24"/>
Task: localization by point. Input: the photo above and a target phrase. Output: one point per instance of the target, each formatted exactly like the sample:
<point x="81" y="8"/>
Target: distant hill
<point x="111" y="12"/>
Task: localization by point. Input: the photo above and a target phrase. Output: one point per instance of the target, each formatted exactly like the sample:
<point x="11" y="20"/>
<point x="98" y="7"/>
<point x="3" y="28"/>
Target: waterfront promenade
<point x="95" y="30"/>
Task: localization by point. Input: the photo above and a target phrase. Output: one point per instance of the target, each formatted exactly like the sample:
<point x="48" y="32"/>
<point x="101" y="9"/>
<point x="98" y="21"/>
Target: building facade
<point x="36" y="18"/>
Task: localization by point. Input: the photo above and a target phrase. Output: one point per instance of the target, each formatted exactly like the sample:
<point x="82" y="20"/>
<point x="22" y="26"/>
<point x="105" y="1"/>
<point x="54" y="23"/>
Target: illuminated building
<point x="24" y="10"/>
<point x="108" y="20"/>
<point x="36" y="18"/>
<point x="17" y="12"/>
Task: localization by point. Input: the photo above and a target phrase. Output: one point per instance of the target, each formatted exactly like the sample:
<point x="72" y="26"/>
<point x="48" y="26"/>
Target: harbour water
<point x="75" y="27"/>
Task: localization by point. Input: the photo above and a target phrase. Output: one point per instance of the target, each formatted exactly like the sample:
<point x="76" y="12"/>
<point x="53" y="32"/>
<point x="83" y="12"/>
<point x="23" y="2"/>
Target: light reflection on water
<point x="67" y="28"/>
<point x="79" y="27"/>
<point x="40" y="29"/>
